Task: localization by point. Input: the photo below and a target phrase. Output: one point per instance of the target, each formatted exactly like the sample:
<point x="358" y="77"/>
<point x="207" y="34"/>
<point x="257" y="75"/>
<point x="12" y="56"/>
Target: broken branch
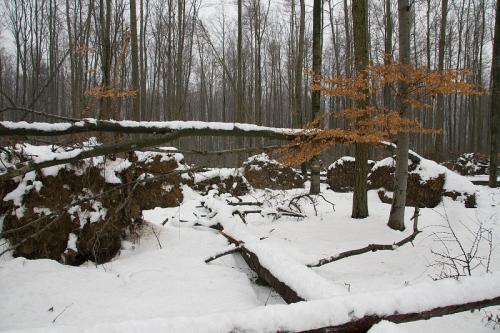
<point x="372" y="247"/>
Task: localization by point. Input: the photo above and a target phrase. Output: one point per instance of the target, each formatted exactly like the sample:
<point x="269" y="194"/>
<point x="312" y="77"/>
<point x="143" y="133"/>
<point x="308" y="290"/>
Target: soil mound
<point x="470" y="164"/>
<point x="224" y="180"/>
<point x="263" y="172"/>
<point x="340" y="174"/>
<point x="428" y="182"/>
<point x="78" y="212"/>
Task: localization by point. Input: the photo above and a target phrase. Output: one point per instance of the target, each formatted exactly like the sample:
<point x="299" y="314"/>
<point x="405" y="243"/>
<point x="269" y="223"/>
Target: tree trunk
<point x="388" y="50"/>
<point x="136" y="101"/>
<point x="396" y="218"/>
<point x="360" y="26"/>
<point x="440" y="154"/>
<point x="106" y="55"/>
<point x="299" y="66"/>
<point x="495" y="101"/>
<point x="316" y="95"/>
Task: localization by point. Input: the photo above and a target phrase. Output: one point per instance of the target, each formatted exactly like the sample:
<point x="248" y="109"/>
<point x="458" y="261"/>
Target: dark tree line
<point x="233" y="61"/>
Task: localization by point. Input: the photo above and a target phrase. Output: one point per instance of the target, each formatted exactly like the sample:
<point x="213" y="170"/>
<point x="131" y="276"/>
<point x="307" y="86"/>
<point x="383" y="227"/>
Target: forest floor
<point x="162" y="282"/>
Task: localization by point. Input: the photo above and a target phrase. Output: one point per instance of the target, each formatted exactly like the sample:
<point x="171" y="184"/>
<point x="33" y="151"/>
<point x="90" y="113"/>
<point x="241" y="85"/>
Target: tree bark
<point x="106" y="55"/>
<point x="288" y="294"/>
<point x="360" y="29"/>
<point x="440" y="153"/>
<point x="136" y="101"/>
<point x="299" y="67"/>
<point x="316" y="95"/>
<point x="388" y="49"/>
<point x="362" y="325"/>
<point x="396" y="218"/>
<point x="495" y="101"/>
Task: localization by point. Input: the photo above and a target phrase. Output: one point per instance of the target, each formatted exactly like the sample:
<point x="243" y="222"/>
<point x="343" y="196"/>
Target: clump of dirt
<point x="469" y="199"/>
<point x="419" y="194"/>
<point x="83" y="212"/>
<point x="234" y="184"/>
<point x="164" y="192"/>
<point x="340" y="174"/>
<point x="263" y="172"/>
<point x="470" y="164"/>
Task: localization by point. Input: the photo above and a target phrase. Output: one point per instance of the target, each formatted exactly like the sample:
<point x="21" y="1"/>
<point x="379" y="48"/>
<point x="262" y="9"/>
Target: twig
<point x="54" y="320"/>
<point x="222" y="254"/>
<point x="39" y="113"/>
<point x="214" y="152"/>
<point x="157" y="239"/>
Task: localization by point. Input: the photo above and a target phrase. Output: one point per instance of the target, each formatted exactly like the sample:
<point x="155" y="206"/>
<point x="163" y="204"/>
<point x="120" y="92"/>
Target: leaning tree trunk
<point x="360" y="27"/>
<point x="495" y="100"/>
<point x="396" y="219"/>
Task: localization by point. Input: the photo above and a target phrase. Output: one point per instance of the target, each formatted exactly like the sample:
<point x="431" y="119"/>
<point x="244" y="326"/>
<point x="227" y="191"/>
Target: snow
<point x="25" y="185"/>
<point x="150" y="289"/>
<point x="385" y="326"/>
<point x="263" y="158"/>
<point x="109" y="169"/>
<point x="302" y="315"/>
<point x="222" y="173"/>
<point x="168" y="125"/>
<point x="341" y="161"/>
<point x="72" y="242"/>
<point x="47" y="127"/>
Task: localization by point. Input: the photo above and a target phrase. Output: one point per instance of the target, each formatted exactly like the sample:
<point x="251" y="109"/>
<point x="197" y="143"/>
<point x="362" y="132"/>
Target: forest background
<point x="183" y="63"/>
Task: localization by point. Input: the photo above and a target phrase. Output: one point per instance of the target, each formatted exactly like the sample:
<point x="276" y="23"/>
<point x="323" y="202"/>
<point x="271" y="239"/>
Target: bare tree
<point x="315" y="95"/>
<point x="495" y="101"/>
<point x="360" y="29"/>
<point x="396" y="218"/>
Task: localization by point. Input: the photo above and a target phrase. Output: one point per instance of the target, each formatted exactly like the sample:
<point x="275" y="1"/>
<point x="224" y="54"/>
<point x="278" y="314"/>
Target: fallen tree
<point x="160" y="133"/>
<point x="363" y="324"/>
<point x="183" y="128"/>
<point x="349" y="313"/>
<point x="98" y="150"/>
<point x="286" y="292"/>
<point x="291" y="279"/>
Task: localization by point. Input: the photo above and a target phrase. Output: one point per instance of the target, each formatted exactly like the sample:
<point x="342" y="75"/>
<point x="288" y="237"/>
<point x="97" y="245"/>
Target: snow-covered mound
<point x="428" y="182"/>
<point x="225" y="180"/>
<point x="340" y="174"/>
<point x="470" y="164"/>
<point x="261" y="171"/>
<point x="81" y="211"/>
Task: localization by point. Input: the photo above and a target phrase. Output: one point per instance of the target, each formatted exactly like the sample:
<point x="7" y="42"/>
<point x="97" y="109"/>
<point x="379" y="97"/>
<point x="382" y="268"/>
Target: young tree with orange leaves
<point x="370" y="124"/>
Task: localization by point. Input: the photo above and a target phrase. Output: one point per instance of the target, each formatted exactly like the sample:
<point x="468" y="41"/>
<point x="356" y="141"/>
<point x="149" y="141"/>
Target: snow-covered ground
<point x="163" y="284"/>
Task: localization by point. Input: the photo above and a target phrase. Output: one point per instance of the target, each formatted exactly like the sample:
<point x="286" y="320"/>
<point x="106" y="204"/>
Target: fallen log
<point x="363" y="324"/>
<point x="288" y="294"/>
<point x="121" y="147"/>
<point x="183" y="128"/>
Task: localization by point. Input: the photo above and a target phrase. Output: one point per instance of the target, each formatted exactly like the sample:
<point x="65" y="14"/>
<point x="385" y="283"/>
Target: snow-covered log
<point x="286" y="292"/>
<point x="337" y="314"/>
<point x="183" y="128"/>
<point x="81" y="154"/>
<point x="363" y="324"/>
<point x="290" y="277"/>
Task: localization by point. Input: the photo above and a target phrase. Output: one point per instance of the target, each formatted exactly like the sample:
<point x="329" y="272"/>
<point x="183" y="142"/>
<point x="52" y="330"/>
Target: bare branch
<point x="372" y="247"/>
